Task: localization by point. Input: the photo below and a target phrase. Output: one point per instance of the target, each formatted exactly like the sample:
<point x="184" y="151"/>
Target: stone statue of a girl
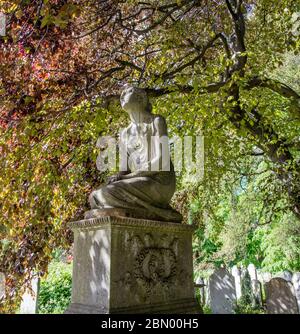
<point x="146" y="184"/>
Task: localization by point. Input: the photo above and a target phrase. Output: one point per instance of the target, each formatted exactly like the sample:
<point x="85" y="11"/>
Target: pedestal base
<point x="181" y="307"/>
<point x="127" y="265"/>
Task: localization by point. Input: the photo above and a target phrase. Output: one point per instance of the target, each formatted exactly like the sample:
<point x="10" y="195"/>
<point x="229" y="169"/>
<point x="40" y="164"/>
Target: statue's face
<point x="133" y="99"/>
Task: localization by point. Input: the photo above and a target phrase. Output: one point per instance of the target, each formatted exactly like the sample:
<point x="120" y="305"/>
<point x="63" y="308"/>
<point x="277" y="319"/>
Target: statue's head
<point x="133" y="98"/>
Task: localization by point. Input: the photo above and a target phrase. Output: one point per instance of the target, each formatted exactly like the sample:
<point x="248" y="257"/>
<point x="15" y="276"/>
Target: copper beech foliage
<point x="62" y="65"/>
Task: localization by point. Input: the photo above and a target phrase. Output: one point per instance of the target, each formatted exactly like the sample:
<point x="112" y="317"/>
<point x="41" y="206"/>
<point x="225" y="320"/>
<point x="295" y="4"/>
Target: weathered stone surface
<point x="286" y="275"/>
<point x="222" y="294"/>
<point x="252" y="271"/>
<point x="29" y="304"/>
<point x="280" y="297"/>
<point x="127" y="265"/>
<point x="247" y="288"/>
<point x="206" y="292"/>
<point x="296" y="284"/>
<point x="257" y="292"/>
<point x="2" y="285"/>
<point x="264" y="277"/>
<point x="236" y="272"/>
<point x="199" y="284"/>
<point x="138" y="213"/>
<point x="146" y="181"/>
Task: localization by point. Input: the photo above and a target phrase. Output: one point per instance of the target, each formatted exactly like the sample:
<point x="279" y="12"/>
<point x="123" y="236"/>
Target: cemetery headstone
<point x="257" y="292"/>
<point x="206" y="292"/>
<point x="264" y="277"/>
<point x="246" y="287"/>
<point x="201" y="285"/>
<point x="252" y="271"/>
<point x="286" y="275"/>
<point x="236" y="272"/>
<point x="255" y="286"/>
<point x="29" y="304"/>
<point x="2" y="285"/>
<point x="280" y="297"/>
<point x="296" y="283"/>
<point x="221" y="288"/>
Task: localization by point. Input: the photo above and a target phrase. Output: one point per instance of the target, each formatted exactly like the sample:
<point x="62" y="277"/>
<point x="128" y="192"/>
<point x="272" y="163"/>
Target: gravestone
<point x="201" y="286"/>
<point x="236" y="272"/>
<point x="296" y="284"/>
<point x="129" y="265"/>
<point x="206" y="292"/>
<point x="29" y="304"/>
<point x="222" y="294"/>
<point x="255" y="285"/>
<point x="280" y="297"/>
<point x="247" y="290"/>
<point x="257" y="292"/>
<point x="2" y="285"/>
<point x="286" y="275"/>
<point x="264" y="277"/>
<point x="252" y="271"/>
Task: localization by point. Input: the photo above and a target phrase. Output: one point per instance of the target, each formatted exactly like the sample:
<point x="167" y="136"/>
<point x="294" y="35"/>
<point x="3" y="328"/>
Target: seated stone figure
<point x="147" y="185"/>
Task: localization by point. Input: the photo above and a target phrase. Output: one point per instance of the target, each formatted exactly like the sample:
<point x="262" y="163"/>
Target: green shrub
<point x="55" y="290"/>
<point x="206" y="309"/>
<point x="243" y="307"/>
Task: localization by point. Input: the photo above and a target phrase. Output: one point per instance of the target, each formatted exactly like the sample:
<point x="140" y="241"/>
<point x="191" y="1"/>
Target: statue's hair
<point x="149" y="107"/>
<point x="142" y="93"/>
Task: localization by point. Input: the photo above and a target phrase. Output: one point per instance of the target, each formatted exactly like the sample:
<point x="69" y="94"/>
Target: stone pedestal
<point x="128" y="265"/>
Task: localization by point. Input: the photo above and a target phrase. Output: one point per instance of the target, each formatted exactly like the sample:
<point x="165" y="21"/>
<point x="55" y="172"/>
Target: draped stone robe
<point x="150" y="184"/>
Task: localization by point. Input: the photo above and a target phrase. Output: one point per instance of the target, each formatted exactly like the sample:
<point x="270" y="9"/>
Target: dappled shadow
<point x="222" y="292"/>
<point x="91" y="268"/>
<point x="280" y="298"/>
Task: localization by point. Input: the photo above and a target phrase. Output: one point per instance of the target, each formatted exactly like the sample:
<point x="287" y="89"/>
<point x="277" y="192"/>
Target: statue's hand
<point x="113" y="178"/>
<point x="145" y="167"/>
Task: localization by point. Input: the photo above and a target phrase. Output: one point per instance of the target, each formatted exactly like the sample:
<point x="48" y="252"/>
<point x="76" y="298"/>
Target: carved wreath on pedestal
<point x="155" y="262"/>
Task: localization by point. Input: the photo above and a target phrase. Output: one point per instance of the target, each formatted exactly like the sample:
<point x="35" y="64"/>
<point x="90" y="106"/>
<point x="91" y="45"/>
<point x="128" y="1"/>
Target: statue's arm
<point x="160" y="126"/>
<point x="124" y="169"/>
<point x="160" y="141"/>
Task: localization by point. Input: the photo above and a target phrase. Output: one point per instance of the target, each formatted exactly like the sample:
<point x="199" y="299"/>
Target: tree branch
<point x="274" y="85"/>
<point x="231" y="9"/>
<point x="209" y="44"/>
